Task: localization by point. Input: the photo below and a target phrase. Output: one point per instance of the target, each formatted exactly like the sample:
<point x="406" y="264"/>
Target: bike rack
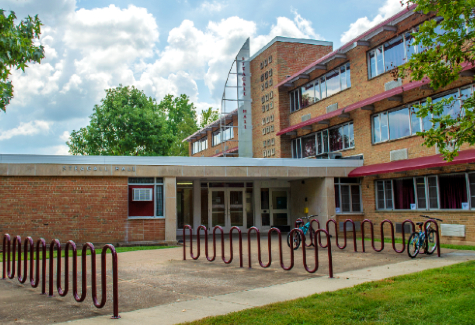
<point x="393" y="239"/>
<point x="259" y="253"/>
<point x="436" y="233"/>
<point x="344" y="233"/>
<point x="9" y="269"/>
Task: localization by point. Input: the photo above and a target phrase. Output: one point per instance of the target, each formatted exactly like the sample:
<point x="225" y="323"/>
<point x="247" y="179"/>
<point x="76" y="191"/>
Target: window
<point x="448" y="192"/>
<point x="200" y="145"/>
<point x="393" y="53"/>
<point x="347" y="195"/>
<point x="223" y="134"/>
<point x="145" y="197"/>
<point x="403" y="121"/>
<point x="325" y="86"/>
<point x="319" y="144"/>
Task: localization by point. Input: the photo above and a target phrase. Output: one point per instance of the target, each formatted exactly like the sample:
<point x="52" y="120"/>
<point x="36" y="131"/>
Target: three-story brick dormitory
<point x="311" y="102"/>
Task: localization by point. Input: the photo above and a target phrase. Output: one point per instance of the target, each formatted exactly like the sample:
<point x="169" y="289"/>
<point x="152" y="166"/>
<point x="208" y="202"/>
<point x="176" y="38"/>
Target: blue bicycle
<point x="296" y="240"/>
<point x="418" y="239"/>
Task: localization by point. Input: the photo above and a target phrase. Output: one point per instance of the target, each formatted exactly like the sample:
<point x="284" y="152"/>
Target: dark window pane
<point x="388" y="194"/>
<point x="325" y="140"/>
<point x="433" y="202"/>
<point x="159" y="196"/>
<point x="355" y="198"/>
<point x="452" y="191"/>
<point x="308" y="144"/>
<point x="399" y="124"/>
<point x="394" y="53"/>
<point x="336" y="139"/>
<point x="337" y="197"/>
<point x="345" y="198"/>
<point x="264" y="198"/>
<point x="472" y="189"/>
<point x="141" y="180"/>
<point x="292" y="105"/>
<point x="351" y="135"/>
<point x="403" y="193"/>
<point x="380" y="194"/>
<point x="421" y="193"/>
<point x="319" y="143"/>
<point x="346" y="138"/>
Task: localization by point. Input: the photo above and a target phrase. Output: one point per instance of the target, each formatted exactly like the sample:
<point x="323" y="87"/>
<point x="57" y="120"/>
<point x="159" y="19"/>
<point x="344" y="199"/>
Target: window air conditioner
<point x="142" y="194"/>
<point x="336" y="155"/>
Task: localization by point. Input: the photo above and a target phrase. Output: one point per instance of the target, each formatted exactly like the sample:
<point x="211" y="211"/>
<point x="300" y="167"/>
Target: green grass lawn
<point x="438" y="296"/>
<point x="98" y="251"/>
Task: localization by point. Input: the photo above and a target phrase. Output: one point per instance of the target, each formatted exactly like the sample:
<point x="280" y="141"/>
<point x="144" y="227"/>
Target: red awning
<point x="464" y="157"/>
<point x="311" y="121"/>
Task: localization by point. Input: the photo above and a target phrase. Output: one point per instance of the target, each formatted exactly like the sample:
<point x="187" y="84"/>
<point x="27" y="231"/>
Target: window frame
<point x="339" y="184"/>
<point x="202" y="144"/>
<point x="157" y="181"/>
<point x="471" y="207"/>
<point x="316" y="84"/>
<point x="409" y="106"/>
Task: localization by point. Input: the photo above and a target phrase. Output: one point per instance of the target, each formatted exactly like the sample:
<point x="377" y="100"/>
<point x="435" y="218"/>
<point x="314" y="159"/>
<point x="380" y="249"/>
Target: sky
<point x="160" y="46"/>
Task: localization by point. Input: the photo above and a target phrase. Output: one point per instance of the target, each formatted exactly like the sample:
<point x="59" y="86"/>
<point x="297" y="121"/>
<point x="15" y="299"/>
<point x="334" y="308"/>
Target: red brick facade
<point x="72" y="208"/>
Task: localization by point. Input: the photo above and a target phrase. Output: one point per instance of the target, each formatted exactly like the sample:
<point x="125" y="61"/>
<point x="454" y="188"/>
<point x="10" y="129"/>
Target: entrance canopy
<point x="464" y="157"/>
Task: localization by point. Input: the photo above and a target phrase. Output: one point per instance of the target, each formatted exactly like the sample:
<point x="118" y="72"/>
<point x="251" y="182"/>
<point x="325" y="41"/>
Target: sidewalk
<point x="222" y="304"/>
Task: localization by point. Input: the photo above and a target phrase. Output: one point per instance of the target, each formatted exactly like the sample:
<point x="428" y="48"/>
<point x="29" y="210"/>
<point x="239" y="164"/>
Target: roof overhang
<point x="464" y="157"/>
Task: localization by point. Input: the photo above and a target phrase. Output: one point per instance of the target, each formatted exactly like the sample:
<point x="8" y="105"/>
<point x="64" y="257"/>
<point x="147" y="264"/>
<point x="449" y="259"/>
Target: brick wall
<point x="211" y="151"/>
<point x="72" y="208"/>
<point x="287" y="58"/>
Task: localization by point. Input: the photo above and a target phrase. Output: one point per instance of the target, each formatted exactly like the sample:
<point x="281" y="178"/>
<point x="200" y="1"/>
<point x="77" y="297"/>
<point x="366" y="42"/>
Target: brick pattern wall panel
<point x="72" y="208"/>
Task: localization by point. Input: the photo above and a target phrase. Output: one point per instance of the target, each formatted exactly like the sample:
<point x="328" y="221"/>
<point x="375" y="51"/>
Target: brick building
<point x="312" y="102"/>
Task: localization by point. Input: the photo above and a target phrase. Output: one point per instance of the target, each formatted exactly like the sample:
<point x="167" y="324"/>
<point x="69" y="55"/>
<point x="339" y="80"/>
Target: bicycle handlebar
<point x="429" y="217"/>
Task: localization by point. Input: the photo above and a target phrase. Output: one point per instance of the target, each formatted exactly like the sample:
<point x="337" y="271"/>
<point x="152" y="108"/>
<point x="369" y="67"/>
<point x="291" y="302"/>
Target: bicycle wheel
<point x="431" y="242"/>
<point x="413" y="245"/>
<point x="295" y="240"/>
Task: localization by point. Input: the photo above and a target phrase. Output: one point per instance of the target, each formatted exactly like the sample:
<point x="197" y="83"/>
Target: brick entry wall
<point x="72" y="208"/>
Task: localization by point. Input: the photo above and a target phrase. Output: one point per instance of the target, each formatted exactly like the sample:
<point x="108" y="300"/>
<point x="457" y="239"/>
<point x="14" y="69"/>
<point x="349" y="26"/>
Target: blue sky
<point x="161" y="47"/>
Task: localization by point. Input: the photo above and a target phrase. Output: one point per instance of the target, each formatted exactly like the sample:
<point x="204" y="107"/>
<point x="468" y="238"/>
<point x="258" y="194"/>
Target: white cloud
<point x="65" y="136"/>
<point x="59" y="150"/>
<point x="30" y="128"/>
<point x="214" y="6"/>
<point x="390" y="8"/>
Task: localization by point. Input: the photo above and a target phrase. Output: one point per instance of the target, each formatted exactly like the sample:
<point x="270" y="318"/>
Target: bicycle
<point x="296" y="236"/>
<point x="418" y="239"/>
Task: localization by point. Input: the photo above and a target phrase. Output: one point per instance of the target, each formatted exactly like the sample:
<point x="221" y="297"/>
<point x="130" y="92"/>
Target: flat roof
<point x="290" y="40"/>
<point x="176" y="161"/>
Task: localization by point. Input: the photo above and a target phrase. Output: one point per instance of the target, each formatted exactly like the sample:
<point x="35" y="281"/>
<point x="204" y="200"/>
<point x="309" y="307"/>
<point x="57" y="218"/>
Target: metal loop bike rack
<point x="393" y="239"/>
<point x="9" y="268"/>
<point x="344" y="233"/>
<point x="315" y="234"/>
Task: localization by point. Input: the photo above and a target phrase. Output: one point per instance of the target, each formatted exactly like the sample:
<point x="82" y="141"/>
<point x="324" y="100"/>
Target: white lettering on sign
<point x="97" y="168"/>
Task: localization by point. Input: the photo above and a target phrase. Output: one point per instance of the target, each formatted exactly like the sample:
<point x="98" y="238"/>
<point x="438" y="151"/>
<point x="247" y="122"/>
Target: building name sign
<point x="99" y="168"/>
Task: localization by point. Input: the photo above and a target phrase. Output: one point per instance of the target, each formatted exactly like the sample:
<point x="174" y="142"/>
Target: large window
<point x="222" y="135"/>
<point x="200" y="145"/>
<point x="393" y="53"/>
<point x="331" y="83"/>
<point x="446" y="192"/>
<point x="150" y="206"/>
<point x="348" y="195"/>
<point x="402" y="121"/>
<point x="319" y="144"/>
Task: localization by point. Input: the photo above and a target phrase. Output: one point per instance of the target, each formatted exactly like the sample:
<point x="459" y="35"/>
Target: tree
<point x="16" y="50"/>
<point x="449" y="47"/>
<point x="208" y="116"/>
<point x="181" y="121"/>
<point x="127" y="123"/>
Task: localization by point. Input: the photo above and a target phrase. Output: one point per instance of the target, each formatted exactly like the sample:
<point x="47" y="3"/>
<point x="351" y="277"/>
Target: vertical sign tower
<point x="237" y="96"/>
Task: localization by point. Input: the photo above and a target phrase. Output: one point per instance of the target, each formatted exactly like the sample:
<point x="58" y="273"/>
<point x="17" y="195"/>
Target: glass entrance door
<point x="226" y="207"/>
<point x="279" y="207"/>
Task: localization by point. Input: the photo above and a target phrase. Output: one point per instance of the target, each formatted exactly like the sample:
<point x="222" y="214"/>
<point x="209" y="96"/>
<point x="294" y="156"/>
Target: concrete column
<point x="170" y="209"/>
<point x="196" y="204"/>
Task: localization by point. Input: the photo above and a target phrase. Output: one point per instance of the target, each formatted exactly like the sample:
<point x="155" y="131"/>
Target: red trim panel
<point x="227" y="151"/>
<point x="464" y="157"/>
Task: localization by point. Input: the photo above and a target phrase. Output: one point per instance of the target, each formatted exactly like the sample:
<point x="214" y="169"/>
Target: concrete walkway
<point x="222" y="304"/>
